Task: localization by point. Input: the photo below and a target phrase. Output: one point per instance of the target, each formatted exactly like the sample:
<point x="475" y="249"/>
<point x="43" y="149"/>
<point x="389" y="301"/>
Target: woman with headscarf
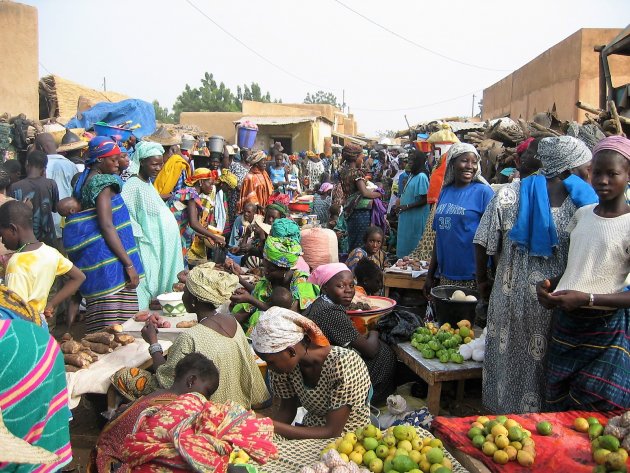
<point x="314" y="169"/>
<point x="239" y="168"/>
<point x="280" y="257"/>
<point x="99" y="240"/>
<point x="192" y="207"/>
<point x="463" y="200"/>
<point x="217" y="336"/>
<point x="525" y="227"/>
<point x="331" y="383"/>
<point x="412" y="208"/>
<point x="154" y="226"/>
<point x="257" y="187"/>
<point x="328" y="311"/>
<point x="358" y="203"/>
<point x="223" y="220"/>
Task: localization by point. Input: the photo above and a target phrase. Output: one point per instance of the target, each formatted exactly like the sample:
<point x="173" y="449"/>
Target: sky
<point x="150" y="49"/>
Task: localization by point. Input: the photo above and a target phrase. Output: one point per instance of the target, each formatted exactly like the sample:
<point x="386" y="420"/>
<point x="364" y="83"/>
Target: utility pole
<point x="472" y="112"/>
<point x="104" y="84"/>
<point x="343" y="100"/>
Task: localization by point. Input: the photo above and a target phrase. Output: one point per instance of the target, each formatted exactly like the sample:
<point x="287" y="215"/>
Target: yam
<point x="99" y="337"/>
<point x="116" y="328"/>
<point x="70" y="347"/>
<point x="76" y="360"/>
<point x="97" y="347"/>
<point x="113" y="345"/>
<point x="72" y="369"/>
<point x="93" y="356"/>
<point x="186" y="324"/>
<point x="124" y="338"/>
<point x="142" y="316"/>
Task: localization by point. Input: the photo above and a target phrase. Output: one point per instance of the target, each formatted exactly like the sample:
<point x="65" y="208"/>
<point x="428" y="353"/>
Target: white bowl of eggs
<point x="454" y="303"/>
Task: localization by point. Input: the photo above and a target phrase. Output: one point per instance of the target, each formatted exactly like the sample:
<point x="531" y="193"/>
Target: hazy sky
<point x="151" y="49"/>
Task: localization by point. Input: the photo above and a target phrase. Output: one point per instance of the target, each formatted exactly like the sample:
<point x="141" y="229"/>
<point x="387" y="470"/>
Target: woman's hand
<point x="241" y="296"/>
<point x="134" y="279"/>
<point x="429" y="282"/>
<point x="543" y="293"/>
<point x="570" y="300"/>
<point x="219" y="240"/>
<point x="149" y="332"/>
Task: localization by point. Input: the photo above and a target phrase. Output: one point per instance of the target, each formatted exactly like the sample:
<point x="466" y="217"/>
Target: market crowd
<point x="98" y="228"/>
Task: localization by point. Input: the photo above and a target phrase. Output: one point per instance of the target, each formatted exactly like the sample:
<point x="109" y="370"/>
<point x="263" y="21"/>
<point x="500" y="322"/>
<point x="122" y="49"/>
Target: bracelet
<point x="591" y="300"/>
<point x="155" y="348"/>
<point x="129" y="267"/>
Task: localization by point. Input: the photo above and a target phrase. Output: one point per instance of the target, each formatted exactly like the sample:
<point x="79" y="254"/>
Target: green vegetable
<point x="428" y="353"/>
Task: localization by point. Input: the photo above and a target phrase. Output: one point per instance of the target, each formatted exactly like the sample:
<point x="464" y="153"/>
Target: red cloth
<point x="565" y="450"/>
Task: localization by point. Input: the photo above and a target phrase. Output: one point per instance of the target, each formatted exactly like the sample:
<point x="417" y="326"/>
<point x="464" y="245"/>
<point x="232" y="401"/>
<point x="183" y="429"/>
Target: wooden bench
<point x="402" y="281"/>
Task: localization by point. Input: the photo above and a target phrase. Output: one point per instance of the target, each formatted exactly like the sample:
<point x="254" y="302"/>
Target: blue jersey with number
<point x="457" y="216"/>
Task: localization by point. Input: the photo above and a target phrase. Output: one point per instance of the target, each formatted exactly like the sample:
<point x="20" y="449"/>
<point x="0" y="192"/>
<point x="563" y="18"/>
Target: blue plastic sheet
<point x="138" y="111"/>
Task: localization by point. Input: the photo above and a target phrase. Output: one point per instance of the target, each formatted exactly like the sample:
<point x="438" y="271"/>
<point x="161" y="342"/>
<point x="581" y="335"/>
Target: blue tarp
<point x="138" y="111"/>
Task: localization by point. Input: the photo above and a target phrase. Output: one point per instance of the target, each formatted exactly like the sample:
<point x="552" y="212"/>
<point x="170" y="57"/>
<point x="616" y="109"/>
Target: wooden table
<point x="435" y="373"/>
<point x="401" y="280"/>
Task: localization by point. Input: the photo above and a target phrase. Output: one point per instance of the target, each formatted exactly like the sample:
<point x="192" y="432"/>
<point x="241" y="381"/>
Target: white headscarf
<point x="278" y="329"/>
<point x="454" y="152"/>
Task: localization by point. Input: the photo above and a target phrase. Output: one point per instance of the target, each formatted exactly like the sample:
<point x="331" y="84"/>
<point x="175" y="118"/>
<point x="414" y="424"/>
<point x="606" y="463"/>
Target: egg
<point x="458" y="296"/>
<point x="471" y="298"/>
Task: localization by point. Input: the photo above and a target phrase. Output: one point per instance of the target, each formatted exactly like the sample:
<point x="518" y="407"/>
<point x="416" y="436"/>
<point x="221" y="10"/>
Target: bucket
<point x="423" y="146"/>
<point x="246" y="137"/>
<point x="215" y="144"/>
<point x="448" y="311"/>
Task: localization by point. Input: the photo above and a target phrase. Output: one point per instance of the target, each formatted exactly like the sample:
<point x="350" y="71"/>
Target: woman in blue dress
<point x="412" y="208"/>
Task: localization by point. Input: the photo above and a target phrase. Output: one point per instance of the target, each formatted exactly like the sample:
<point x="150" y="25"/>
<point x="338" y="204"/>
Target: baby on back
<point x="68" y="206"/>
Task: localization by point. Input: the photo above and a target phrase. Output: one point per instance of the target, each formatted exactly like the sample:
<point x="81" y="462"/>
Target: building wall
<point x="213" y="123"/>
<point x="19" y="59"/>
<point x="564" y="74"/>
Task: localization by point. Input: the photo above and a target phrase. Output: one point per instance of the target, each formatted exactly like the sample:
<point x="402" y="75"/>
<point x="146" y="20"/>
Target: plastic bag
<point x="396" y="410"/>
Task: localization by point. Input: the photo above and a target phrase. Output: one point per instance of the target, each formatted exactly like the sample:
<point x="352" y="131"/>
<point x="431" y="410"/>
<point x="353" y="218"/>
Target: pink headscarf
<point x="325" y="187"/>
<point x="326" y="272"/>
<point x="523" y="146"/>
<point x="618" y="144"/>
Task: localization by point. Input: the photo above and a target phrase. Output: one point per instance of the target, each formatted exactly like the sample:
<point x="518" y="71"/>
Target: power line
<point x="44" y="67"/>
<point x="417" y="44"/>
<point x="268" y="61"/>
<point x="415" y="107"/>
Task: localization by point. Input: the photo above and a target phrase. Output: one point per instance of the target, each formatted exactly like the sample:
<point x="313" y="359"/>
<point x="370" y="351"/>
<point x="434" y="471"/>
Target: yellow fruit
<point x="426" y="449"/>
<point x="425" y="466"/>
<point x="239" y="461"/>
<point x="516" y="445"/>
<point x="376" y="465"/>
<point x="524" y="458"/>
<point x="379" y="434"/>
<point x="416" y="444"/>
<point x="527" y="433"/>
<point x="331" y="445"/>
<point x="527" y="441"/>
<point x="510" y="423"/>
<point x="243" y="454"/>
<point x="416" y="456"/>
<point x="436" y="443"/>
<point x="324" y="451"/>
<point x="447" y="463"/>
<point x="615" y="462"/>
<point x="382" y="451"/>
<point x="338" y="442"/>
<point x="406" y="444"/>
<point x="623" y="453"/>
<point x="488" y="448"/>
<point x="370" y="431"/>
<point x="389" y="440"/>
<point x="360" y="449"/>
<point x="479" y="425"/>
<point x="426" y="441"/>
<point x="581" y="424"/>
<point x="345" y="447"/>
<point x="529" y="449"/>
<point x="435" y="467"/>
<point x="356" y="457"/>
<point x="344" y="457"/>
<point x="490" y="438"/>
<point x="600" y="455"/>
<point x="392" y="451"/>
<point x="501" y="441"/>
<point x="483" y="420"/>
<point x="402" y="451"/>
<point x="351" y="437"/>
<point x="499" y="430"/>
<point x="500" y="457"/>
<point x="467" y="340"/>
<point x="511" y="452"/>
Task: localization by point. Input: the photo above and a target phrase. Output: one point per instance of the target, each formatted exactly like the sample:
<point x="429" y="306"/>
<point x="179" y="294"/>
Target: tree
<point x="386" y="133"/>
<point x="322" y="97"/>
<point x="480" y="105"/>
<point x="161" y="113"/>
<point x="213" y="97"/>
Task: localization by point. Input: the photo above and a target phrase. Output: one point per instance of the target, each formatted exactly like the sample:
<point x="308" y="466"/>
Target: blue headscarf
<point x="99" y="147"/>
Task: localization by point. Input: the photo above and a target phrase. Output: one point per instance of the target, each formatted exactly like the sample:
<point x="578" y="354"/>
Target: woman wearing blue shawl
<point x="99" y="240"/>
<point x="525" y="227"/>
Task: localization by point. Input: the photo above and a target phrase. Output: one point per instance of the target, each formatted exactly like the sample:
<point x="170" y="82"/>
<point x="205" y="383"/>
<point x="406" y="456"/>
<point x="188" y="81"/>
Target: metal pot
<point x="215" y="144"/>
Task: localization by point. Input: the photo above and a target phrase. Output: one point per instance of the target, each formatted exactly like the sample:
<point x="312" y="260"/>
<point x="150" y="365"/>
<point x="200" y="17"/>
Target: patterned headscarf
<point x="283" y="252"/>
<point x="310" y="154"/>
<point x="279" y="207"/>
<point x="454" y="152"/>
<point x="13" y="306"/>
<point x="148" y="149"/>
<point x="210" y="285"/>
<point x="286" y="228"/>
<point x="619" y="144"/>
<point x="326" y="272"/>
<point x="201" y="174"/>
<point x="278" y="329"/>
<point x="229" y="178"/>
<point x="351" y="150"/>
<point x="523" y="146"/>
<point x="562" y="153"/>
<point x="256" y="157"/>
<point x="101" y="147"/>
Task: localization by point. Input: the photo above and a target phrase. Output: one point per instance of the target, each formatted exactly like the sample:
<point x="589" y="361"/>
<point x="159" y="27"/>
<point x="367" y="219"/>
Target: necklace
<point x="19" y="250"/>
<point x="216" y="324"/>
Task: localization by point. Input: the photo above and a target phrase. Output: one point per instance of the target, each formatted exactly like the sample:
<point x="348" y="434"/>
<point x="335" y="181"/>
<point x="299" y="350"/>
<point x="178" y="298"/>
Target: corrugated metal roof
<point x="349" y="138"/>
<point x="463" y="126"/>
<point x="278" y="120"/>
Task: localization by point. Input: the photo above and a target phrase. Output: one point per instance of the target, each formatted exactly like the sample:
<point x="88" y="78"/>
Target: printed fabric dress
<point x="193" y="246"/>
<point x="514" y="378"/>
<point x="157" y="236"/>
<point x="344" y="381"/>
<point x="357" y="209"/>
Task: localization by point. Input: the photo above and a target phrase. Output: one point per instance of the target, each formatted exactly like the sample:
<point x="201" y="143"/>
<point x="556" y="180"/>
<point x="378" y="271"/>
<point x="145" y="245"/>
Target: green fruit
<point x="592" y="420"/>
<point x="478" y="440"/>
<point x="615" y="461"/>
<point x="515" y="434"/>
<point x="428" y="353"/>
<point x="594" y="431"/>
<point x="435" y="455"/>
<point x="501" y="419"/>
<point x="599" y="469"/>
<point x="544" y="428"/>
<point x="488" y="427"/>
<point x="444" y="358"/>
<point x="473" y="432"/>
<point x="370" y="443"/>
<point x="443" y="469"/>
<point x="609" y="442"/>
<point x="368" y="457"/>
<point x="403" y="463"/>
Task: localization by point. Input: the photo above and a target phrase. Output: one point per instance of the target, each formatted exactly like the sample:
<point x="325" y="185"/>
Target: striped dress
<point x="33" y="395"/>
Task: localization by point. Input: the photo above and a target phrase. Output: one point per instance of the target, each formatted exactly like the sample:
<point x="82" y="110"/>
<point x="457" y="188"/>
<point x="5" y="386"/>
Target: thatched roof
<point x="65" y="98"/>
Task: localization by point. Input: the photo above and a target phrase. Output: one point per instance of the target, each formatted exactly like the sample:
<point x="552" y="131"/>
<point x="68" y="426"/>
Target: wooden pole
<point x="615" y="116"/>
